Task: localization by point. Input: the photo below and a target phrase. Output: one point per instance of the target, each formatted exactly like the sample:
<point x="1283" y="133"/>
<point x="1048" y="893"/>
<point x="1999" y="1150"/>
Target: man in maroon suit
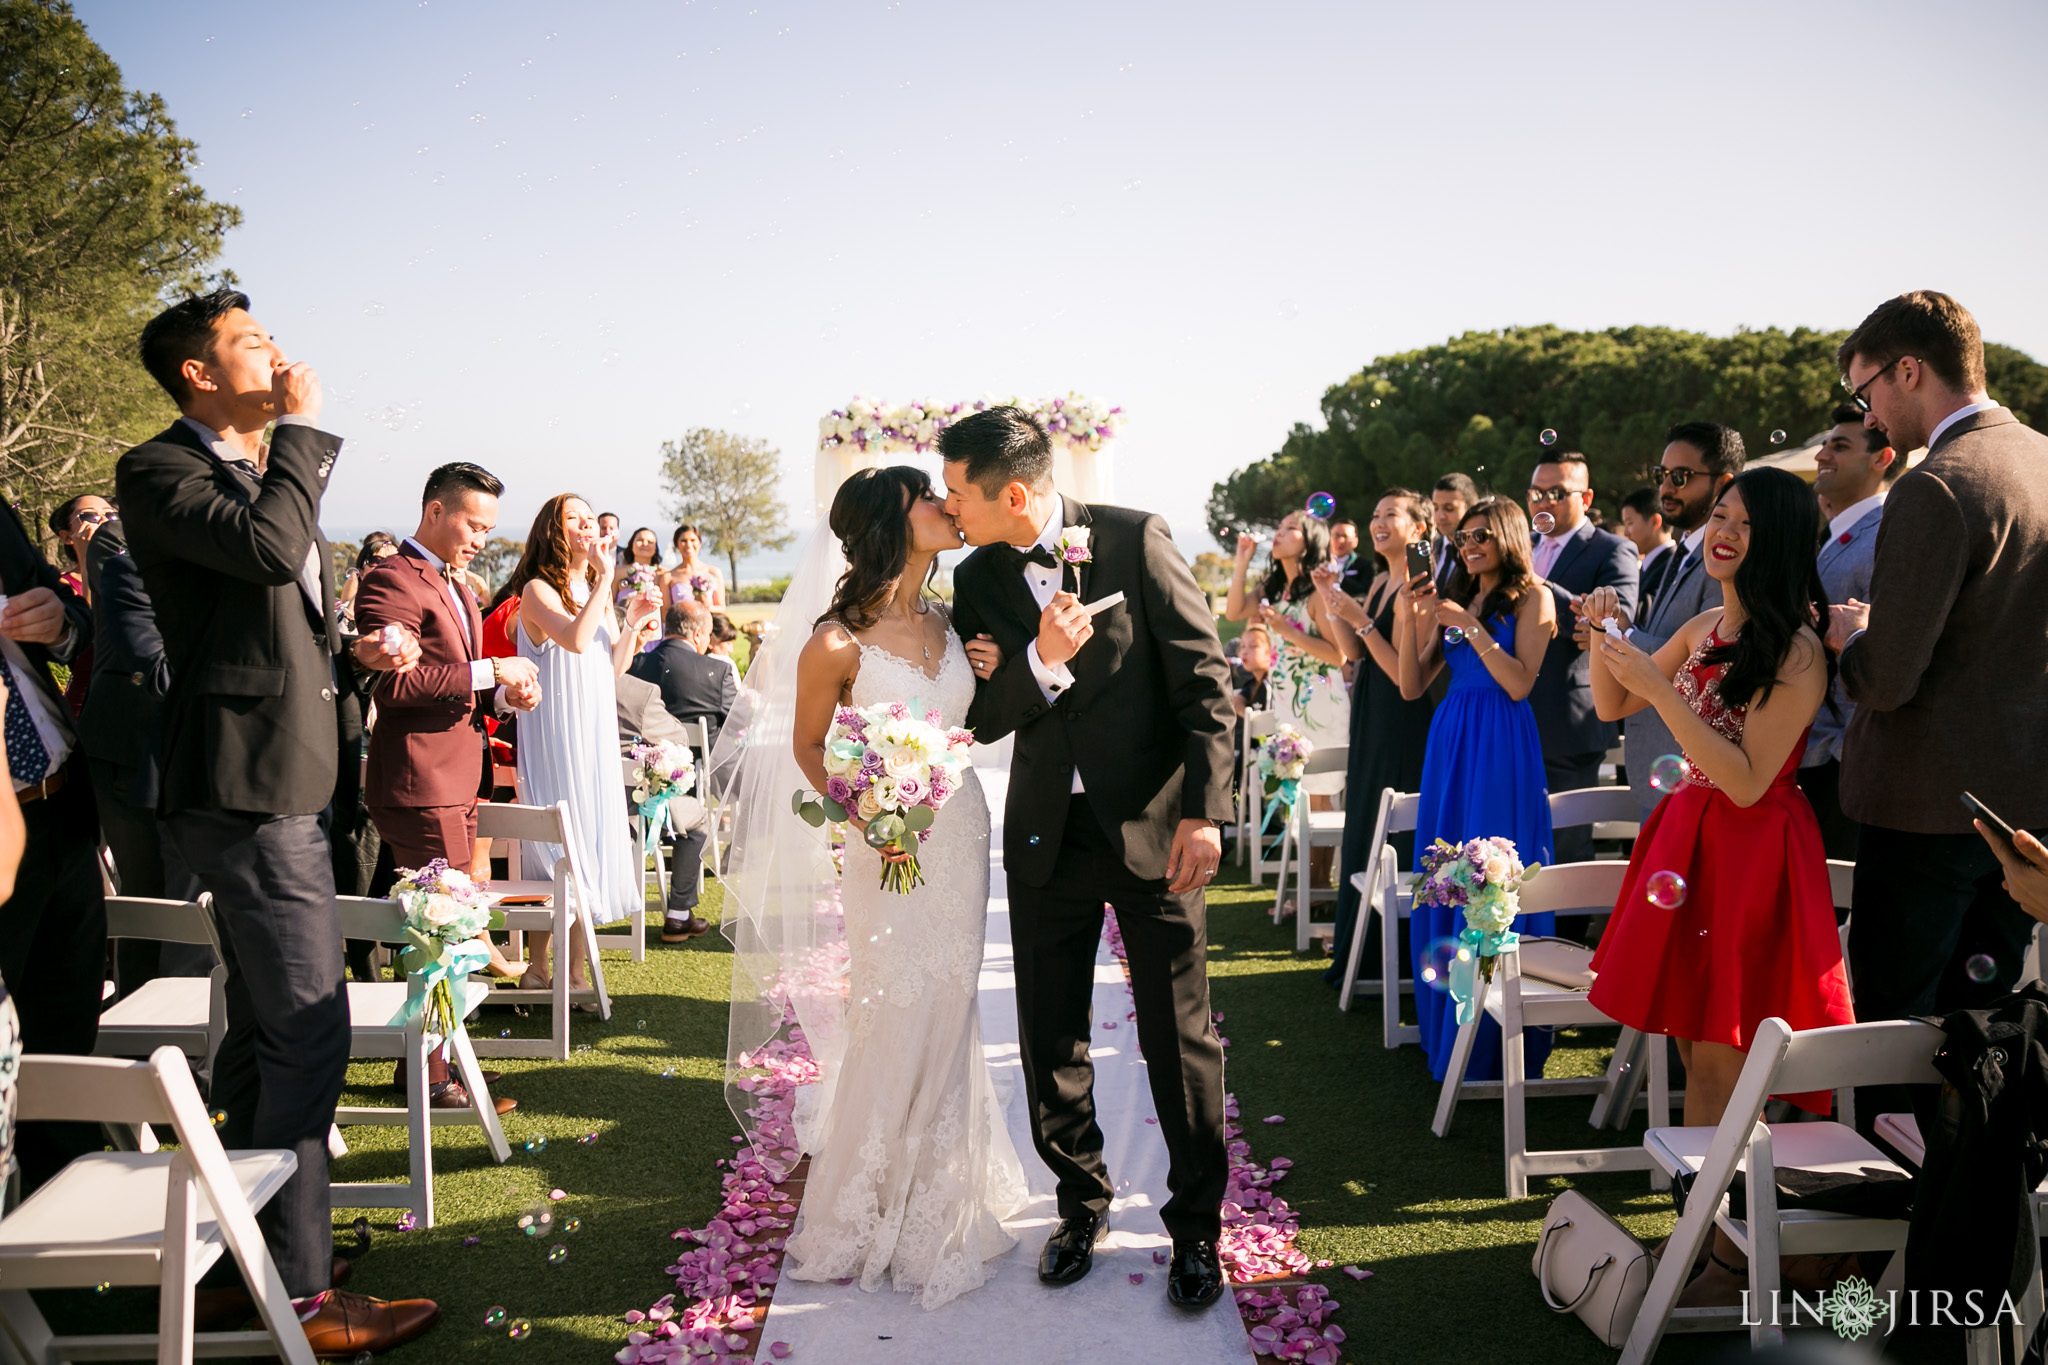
<point x="428" y="759"/>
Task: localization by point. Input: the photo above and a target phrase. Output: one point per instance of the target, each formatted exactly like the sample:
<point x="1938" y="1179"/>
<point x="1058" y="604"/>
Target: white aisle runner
<point x="1014" y="1318"/>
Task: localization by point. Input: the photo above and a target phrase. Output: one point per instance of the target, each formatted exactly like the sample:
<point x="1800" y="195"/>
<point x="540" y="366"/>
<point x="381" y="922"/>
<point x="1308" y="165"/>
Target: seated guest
<point x="1482" y="772"/>
<point x="694" y="686"/>
<point x="1725" y="918"/>
<point x="1253" y="667"/>
<point x="1856" y="465"/>
<point x="1642" y="525"/>
<point x="723" y="636"/>
<point x="1388" y="733"/>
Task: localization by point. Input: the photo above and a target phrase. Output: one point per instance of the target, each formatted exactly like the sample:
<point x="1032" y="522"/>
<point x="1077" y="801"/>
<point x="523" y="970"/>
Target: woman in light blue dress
<point x="569" y="744"/>
<point x="1482" y="771"/>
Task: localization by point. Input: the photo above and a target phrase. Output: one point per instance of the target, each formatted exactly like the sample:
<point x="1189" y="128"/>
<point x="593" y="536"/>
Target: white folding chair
<point x="188" y="1013"/>
<point x="1518" y="998"/>
<point x="564" y="910"/>
<point x="714" y="809"/>
<point x="1306" y="831"/>
<point x="1611" y="811"/>
<point x="654" y="876"/>
<point x="1384" y="890"/>
<point x="1246" y="776"/>
<point x="1781" y="1061"/>
<point x="134" y="1218"/>
<point x="371" y="1006"/>
<point x="1257" y="726"/>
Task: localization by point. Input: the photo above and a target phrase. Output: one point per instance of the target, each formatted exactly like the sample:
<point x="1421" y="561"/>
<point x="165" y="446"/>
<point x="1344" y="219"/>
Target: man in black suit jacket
<point x="694" y="686"/>
<point x="234" y="562"/>
<point x="1574" y="557"/>
<point x="1121" y="776"/>
<point x="53" y="930"/>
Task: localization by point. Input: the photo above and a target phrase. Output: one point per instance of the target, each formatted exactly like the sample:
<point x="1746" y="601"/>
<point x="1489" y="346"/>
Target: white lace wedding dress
<point x="914" y="1172"/>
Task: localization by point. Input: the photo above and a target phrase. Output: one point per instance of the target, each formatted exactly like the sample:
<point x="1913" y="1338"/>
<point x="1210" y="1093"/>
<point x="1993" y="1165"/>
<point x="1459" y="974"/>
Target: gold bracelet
<point x="497" y="673"/>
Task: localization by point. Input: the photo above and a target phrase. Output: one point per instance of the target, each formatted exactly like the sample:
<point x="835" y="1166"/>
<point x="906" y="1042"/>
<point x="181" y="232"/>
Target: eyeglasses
<point x="1856" y="394"/>
<point x="1677" y="478"/>
<point x="89" y="518"/>
<point x="1554" y="494"/>
<point x="1478" y="535"/>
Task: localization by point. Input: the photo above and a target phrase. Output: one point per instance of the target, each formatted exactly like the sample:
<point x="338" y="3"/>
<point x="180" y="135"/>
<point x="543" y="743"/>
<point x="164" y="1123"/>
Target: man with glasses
<point x="1948" y="667"/>
<point x="1575" y="557"/>
<point x="1700" y="459"/>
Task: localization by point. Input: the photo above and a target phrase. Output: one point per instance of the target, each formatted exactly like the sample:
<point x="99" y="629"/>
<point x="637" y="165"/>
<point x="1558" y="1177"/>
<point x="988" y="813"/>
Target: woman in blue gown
<point x="1482" y="776"/>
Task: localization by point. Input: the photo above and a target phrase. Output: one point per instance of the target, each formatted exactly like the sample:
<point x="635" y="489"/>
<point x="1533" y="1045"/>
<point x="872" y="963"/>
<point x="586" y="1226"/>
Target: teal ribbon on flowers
<point x="1474" y="947"/>
<point x="653" y="814"/>
<point x="1289" y="792"/>
<point x="454" y="963"/>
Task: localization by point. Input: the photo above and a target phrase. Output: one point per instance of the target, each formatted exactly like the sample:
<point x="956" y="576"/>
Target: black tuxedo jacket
<point x="130" y="675"/>
<point x="693" y="686"/>
<point x="1148" y="721"/>
<point x="250" y="722"/>
<point x="1563" y="696"/>
<point x="22" y="567"/>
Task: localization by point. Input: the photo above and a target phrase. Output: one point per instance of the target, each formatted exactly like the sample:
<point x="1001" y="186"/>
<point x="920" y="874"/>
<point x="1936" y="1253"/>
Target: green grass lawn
<point x="1373" y="1188"/>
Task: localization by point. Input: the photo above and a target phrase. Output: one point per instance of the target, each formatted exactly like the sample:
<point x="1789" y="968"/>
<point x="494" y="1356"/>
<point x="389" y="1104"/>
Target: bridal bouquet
<point x="661" y="773"/>
<point x="641" y="578"/>
<point x="1283" y="757"/>
<point x="892" y="770"/>
<point x="446" y="917"/>
<point x="1483" y="878"/>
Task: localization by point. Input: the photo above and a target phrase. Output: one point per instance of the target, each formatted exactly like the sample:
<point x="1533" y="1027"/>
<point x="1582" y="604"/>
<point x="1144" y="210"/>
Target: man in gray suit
<point x="1700" y="459"/>
<point x="1948" y="667"/>
<point x="1856" y="465"/>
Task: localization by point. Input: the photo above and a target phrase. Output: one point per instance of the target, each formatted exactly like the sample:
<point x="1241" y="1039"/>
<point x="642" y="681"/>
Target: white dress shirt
<point x="480" y="670"/>
<point x="52" y="728"/>
<point x="1053" y="680"/>
<point x="1839" y="524"/>
<point x="1966" y="410"/>
<point x="309" y="572"/>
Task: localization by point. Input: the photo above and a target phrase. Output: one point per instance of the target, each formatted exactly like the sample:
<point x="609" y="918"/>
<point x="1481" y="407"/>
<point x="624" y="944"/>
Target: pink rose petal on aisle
<point x="1137" y="1277"/>
<point x="1151" y="1120"/>
<point x="1159" y="1258"/>
<point x="1276" y="1118"/>
<point x="558" y="1195"/>
<point x="779" y="1349"/>
<point x="1109" y="1023"/>
<point x="1357" y="1274"/>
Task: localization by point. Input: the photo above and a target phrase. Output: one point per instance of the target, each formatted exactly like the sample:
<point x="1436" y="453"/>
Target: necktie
<point x="27" y="760"/>
<point x="246" y="468"/>
<point x="1546" y="556"/>
<point x="1037" y="554"/>
<point x="455" y="580"/>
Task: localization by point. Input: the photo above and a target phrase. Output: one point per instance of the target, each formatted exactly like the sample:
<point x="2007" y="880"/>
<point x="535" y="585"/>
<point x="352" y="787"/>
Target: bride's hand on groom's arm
<point x="985" y="654"/>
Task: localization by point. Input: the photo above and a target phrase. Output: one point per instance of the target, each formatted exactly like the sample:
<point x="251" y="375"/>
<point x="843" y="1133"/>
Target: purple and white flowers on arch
<point x="873" y="425"/>
<point x="886" y="767"/>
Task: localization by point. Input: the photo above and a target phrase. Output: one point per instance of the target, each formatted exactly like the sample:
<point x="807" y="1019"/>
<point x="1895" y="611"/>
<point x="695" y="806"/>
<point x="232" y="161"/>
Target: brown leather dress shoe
<point x="345" y="1325"/>
<point x="453" y="1096"/>
<point x="220" y="1310"/>
<point x="674" y="930"/>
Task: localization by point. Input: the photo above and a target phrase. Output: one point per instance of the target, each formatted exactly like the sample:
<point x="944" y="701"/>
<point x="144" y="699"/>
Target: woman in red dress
<point x="1726" y="918"/>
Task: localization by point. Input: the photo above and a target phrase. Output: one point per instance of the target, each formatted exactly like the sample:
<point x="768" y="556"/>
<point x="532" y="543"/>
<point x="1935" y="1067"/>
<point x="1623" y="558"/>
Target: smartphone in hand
<point x="1418" y="560"/>
<point x="1991" y="821"/>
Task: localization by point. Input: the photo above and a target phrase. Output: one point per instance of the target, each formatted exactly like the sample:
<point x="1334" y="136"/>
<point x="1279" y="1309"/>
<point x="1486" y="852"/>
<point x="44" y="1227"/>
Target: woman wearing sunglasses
<point x="1482" y="775"/>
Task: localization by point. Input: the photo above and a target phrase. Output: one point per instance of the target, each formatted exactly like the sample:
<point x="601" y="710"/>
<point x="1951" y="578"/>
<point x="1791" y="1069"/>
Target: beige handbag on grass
<point x="1589" y="1266"/>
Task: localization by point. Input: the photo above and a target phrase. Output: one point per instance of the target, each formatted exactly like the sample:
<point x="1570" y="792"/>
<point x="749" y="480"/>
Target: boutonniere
<point x="1073" y="546"/>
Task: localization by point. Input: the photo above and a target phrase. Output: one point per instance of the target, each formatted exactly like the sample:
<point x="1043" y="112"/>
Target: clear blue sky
<point x="545" y="237"/>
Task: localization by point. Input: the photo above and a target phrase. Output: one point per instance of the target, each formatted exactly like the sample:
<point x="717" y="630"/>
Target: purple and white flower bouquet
<point x="894" y="771"/>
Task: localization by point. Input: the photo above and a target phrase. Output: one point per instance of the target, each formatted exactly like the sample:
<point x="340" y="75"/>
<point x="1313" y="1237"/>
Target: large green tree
<point x="99" y="219"/>
<point x="1481" y="402"/>
<point x="725" y="486"/>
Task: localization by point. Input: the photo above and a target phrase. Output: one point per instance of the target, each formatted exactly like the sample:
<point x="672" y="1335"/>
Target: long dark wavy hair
<point x="871" y="517"/>
<point x="1510" y="527"/>
<point x="1315" y="551"/>
<point x="546" y="556"/>
<point x="1778" y="582"/>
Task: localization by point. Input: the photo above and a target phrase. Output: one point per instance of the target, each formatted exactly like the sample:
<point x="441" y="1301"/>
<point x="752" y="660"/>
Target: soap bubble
<point x="362" y="1231"/>
<point x="1667" y="774"/>
<point x="1373" y="404"/>
<point x="641" y="1026"/>
<point x="1981" y="969"/>
<point x="537" y="1219"/>
<point x="1548" y="436"/>
<point x="1436" y="962"/>
<point x="1543" y="523"/>
<point x="220" y="1116"/>
<point x="520" y="1330"/>
<point x="537" y="1144"/>
<point x="557" y="1254"/>
<point x="587" y="1139"/>
<point x="494" y="1316"/>
<point x="1666" y="890"/>
<point x="1778" y="437"/>
<point x="572" y="1227"/>
<point x="103" y="1286"/>
<point x="1453" y="636"/>
<point x="1321" y="505"/>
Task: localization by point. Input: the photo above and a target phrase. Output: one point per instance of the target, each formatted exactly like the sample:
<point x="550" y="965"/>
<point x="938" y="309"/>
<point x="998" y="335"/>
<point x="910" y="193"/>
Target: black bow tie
<point x="1037" y="554"/>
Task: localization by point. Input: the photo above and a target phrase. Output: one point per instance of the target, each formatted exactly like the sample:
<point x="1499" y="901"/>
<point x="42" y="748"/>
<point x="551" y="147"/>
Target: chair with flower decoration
<point x="1307" y="829"/>
<point x="1384" y="890"/>
<point x="560" y="906"/>
<point x="372" y="1005"/>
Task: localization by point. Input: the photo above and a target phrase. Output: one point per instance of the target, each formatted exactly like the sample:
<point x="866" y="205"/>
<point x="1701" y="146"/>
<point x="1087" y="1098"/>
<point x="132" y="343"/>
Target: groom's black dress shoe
<point x="1071" y="1248"/>
<point x="1196" y="1276"/>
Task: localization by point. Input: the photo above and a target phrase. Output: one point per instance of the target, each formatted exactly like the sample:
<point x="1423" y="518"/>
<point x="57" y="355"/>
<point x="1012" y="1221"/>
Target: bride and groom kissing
<point x="1120" y="778"/>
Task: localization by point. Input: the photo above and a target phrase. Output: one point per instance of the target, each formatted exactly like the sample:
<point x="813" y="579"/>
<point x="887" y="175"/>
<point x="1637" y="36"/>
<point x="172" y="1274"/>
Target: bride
<point x="912" y="1169"/>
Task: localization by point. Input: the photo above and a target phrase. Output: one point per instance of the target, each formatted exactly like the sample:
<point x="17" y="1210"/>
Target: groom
<point x="1121" y="776"/>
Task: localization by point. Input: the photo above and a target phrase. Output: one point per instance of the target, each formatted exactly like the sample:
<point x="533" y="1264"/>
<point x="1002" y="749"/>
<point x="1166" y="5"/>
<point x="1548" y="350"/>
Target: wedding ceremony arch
<point x="869" y="432"/>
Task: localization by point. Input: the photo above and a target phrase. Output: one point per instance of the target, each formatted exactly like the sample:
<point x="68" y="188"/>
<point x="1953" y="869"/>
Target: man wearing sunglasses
<point x="1575" y="557"/>
<point x="1948" y="667"/>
